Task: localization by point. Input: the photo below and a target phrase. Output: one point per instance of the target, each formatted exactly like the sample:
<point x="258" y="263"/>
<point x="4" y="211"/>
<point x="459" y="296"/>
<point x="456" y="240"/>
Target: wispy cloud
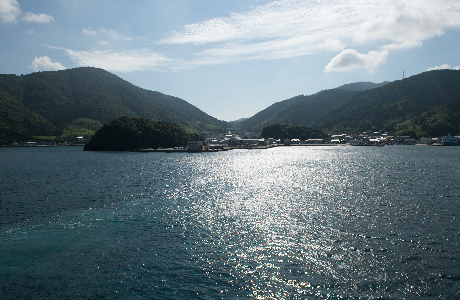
<point x="37" y="18"/>
<point x="44" y="63"/>
<point x="277" y="30"/>
<point x="443" y="67"/>
<point x="119" y="61"/>
<point x="350" y="59"/>
<point x="106" y="34"/>
<point x="115" y="35"/>
<point x="89" y="31"/>
<point x="403" y="46"/>
<point x="289" y="28"/>
<point x="10" y="11"/>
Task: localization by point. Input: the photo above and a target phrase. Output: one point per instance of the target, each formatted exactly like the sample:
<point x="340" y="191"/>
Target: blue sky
<point x="232" y="58"/>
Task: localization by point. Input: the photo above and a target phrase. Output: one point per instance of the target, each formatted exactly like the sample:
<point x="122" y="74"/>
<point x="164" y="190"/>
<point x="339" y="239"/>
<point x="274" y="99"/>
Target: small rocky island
<point x="124" y="134"/>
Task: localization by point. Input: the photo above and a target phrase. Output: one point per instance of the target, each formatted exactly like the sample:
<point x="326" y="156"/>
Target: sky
<point x="232" y="58"/>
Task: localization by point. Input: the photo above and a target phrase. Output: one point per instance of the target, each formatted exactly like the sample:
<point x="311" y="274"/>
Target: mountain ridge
<point x="60" y="97"/>
<point x="385" y="107"/>
<point x="299" y="110"/>
<point x="60" y="104"/>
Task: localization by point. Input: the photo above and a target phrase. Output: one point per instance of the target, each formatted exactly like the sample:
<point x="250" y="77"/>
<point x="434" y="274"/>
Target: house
<point x="194" y="145"/>
<point x="449" y="140"/>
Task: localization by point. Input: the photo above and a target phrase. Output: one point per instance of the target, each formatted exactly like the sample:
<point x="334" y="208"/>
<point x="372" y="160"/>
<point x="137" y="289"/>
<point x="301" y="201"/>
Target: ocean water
<point x="284" y="223"/>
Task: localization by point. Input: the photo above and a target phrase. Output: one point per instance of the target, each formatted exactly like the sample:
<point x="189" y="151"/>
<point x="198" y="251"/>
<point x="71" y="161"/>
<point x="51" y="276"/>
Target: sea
<point x="305" y="222"/>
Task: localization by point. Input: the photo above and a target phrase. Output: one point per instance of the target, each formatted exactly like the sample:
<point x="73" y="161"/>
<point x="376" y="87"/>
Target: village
<point x="230" y="140"/>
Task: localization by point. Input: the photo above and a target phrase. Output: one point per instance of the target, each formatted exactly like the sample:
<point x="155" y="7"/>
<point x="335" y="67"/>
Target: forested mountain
<point x="387" y="106"/>
<point x="301" y="110"/>
<point x="46" y="104"/>
<point x="364" y="106"/>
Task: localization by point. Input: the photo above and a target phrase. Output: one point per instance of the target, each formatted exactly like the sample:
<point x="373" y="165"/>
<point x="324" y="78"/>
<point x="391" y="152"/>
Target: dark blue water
<point x="282" y="223"/>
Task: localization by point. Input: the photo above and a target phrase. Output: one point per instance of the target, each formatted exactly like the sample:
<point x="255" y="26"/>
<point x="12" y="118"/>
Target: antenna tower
<point x="403" y="74"/>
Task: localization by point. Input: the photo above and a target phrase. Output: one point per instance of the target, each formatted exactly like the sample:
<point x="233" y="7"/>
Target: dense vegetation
<point x="126" y="133"/>
<point x="441" y="121"/>
<point x="18" y="123"/>
<point x="283" y="131"/>
<point x="387" y="107"/>
<point x="72" y="102"/>
<point x="300" y="110"/>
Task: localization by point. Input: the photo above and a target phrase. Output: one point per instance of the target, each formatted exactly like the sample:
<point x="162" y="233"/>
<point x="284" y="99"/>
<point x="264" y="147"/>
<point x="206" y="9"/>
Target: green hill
<point x="387" y="106"/>
<point x="301" y="110"/>
<point x="46" y="104"/>
<point x="442" y="120"/>
<point x="125" y="133"/>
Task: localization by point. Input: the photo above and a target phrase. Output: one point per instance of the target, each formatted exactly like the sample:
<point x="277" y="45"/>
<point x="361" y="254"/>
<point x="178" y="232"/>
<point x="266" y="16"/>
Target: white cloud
<point x="288" y="28"/>
<point x="403" y="21"/>
<point x="89" y="32"/>
<point x="275" y="20"/>
<point x="119" y="61"/>
<point x="9" y="11"/>
<point x="38" y="18"/>
<point x="350" y="59"/>
<point x="44" y="63"/>
<point x="443" y="67"/>
<point x="108" y="33"/>
<point x="279" y="29"/>
<point x="403" y="46"/>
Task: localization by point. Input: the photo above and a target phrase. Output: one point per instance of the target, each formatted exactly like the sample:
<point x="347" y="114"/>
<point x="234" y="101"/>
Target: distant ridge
<point x="46" y="103"/>
<point x="300" y="110"/>
<point x="362" y="86"/>
<point x="237" y="122"/>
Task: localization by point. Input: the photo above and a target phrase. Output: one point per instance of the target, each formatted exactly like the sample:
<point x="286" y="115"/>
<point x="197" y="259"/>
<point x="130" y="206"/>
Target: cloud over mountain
<point x="350" y="59"/>
<point x="45" y="63"/>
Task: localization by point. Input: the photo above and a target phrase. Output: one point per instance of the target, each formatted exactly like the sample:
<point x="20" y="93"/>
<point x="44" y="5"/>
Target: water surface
<point x="282" y="223"/>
